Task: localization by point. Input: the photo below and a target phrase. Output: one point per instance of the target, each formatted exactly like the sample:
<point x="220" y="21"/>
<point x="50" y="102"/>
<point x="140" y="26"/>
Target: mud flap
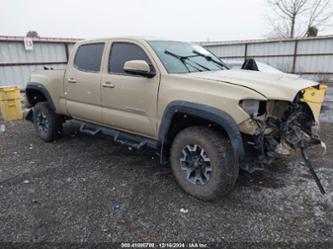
<point x="313" y="173"/>
<point x="27" y="114"/>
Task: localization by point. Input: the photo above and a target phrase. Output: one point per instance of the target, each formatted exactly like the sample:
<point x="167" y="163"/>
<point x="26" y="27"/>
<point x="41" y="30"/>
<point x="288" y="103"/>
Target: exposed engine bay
<point x="281" y="128"/>
<point x="287" y="128"/>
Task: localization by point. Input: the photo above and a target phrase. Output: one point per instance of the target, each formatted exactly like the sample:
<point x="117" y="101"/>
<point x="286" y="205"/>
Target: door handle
<point x="71" y="80"/>
<point x="108" y="84"/>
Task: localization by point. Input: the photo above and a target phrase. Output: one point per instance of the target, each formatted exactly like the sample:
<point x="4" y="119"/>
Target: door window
<point x="122" y="52"/>
<point x="88" y="57"/>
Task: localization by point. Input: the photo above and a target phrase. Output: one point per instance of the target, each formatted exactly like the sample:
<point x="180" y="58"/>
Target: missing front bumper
<point x="285" y="126"/>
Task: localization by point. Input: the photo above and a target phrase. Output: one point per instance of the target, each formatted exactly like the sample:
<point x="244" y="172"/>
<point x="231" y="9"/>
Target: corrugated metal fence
<point x="17" y="63"/>
<point x="308" y="56"/>
<point x="312" y="57"/>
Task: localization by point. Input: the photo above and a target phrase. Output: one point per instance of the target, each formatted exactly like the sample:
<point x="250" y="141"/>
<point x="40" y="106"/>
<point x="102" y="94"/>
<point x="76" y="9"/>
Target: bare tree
<point x="296" y="17"/>
<point x="320" y="13"/>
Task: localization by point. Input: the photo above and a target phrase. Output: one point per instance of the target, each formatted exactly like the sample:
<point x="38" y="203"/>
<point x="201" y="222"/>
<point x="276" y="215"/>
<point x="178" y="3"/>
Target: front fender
<point x="208" y="113"/>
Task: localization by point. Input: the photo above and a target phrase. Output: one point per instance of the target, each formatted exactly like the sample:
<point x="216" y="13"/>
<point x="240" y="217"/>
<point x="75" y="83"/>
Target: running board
<point x="121" y="137"/>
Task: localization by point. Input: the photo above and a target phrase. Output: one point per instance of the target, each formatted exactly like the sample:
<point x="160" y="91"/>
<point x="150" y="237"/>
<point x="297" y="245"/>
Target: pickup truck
<point x="207" y="121"/>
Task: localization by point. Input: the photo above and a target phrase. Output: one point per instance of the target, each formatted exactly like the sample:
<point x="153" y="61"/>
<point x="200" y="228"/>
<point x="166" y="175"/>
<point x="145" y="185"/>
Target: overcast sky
<point x="190" y="20"/>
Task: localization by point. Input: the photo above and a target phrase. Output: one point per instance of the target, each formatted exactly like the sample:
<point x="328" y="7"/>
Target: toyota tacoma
<point x="207" y="121"/>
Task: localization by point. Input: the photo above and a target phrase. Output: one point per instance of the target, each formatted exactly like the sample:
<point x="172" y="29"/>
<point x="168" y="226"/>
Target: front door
<point x="82" y="83"/>
<point x="129" y="101"/>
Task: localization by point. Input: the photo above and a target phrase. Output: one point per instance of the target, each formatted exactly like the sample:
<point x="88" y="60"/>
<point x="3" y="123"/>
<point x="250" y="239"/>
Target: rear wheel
<point x="203" y="162"/>
<point x="48" y="124"/>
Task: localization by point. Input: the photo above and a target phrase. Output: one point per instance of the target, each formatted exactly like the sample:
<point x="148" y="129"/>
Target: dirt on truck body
<point x="182" y="100"/>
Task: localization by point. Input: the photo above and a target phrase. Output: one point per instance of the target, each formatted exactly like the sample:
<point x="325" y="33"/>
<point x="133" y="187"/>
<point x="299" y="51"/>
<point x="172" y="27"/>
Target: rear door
<point x="129" y="101"/>
<point x="82" y="82"/>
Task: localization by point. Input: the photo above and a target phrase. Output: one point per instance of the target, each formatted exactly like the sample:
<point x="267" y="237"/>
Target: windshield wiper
<point x="186" y="59"/>
<point x="181" y="58"/>
<point x="209" y="58"/>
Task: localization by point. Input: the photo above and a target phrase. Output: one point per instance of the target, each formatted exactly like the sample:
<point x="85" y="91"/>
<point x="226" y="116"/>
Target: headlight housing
<point x="253" y="107"/>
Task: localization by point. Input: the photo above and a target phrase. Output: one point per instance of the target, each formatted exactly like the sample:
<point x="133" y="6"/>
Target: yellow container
<point x="315" y="98"/>
<point x="10" y="103"/>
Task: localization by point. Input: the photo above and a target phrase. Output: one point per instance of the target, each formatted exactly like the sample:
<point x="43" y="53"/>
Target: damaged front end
<point x="279" y="128"/>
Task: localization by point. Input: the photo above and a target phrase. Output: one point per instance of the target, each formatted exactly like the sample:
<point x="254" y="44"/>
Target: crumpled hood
<point x="272" y="86"/>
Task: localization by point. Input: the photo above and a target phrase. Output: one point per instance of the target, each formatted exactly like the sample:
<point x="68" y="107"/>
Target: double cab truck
<point x="207" y="121"/>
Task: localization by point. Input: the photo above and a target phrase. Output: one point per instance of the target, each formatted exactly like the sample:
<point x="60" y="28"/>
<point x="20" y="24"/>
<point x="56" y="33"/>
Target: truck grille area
<point x="285" y="127"/>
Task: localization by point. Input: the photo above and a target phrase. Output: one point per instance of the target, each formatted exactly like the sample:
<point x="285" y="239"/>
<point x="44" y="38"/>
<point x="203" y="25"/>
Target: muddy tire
<point x="203" y="162"/>
<point x="48" y="124"/>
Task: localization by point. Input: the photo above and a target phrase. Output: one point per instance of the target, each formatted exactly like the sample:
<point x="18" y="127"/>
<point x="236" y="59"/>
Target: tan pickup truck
<point x="182" y="100"/>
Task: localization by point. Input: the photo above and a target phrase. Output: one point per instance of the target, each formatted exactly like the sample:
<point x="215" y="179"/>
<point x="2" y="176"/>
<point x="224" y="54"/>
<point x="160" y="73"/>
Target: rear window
<point x="88" y="57"/>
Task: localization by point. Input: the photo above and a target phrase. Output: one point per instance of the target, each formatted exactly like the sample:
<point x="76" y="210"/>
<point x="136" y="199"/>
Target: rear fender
<point x="35" y="86"/>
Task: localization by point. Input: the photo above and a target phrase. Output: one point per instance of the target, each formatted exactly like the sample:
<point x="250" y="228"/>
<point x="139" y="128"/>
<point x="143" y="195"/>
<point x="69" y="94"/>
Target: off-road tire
<point x="54" y="122"/>
<point x="224" y="165"/>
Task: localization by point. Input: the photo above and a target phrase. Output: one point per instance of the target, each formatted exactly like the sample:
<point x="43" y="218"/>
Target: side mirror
<point x="138" y="67"/>
<point x="250" y="64"/>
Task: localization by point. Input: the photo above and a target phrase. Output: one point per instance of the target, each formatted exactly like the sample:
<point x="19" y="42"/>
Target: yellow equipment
<point x="315" y="98"/>
<point x="10" y="103"/>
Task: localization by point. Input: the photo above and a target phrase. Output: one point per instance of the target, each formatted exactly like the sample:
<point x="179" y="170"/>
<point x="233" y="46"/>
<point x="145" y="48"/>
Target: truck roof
<point x="136" y="38"/>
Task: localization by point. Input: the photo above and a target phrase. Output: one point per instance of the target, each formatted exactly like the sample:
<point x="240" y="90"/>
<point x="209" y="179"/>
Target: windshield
<point x="182" y="57"/>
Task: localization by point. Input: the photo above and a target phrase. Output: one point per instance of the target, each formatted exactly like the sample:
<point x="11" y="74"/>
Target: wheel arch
<point x="197" y="114"/>
<point x="37" y="92"/>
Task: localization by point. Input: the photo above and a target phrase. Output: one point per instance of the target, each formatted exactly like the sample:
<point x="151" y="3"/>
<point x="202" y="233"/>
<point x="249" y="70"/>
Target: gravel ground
<point x="66" y="191"/>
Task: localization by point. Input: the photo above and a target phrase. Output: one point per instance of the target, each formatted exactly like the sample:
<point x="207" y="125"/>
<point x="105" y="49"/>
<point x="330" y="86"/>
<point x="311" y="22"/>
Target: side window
<point x="122" y="52"/>
<point x="88" y="57"/>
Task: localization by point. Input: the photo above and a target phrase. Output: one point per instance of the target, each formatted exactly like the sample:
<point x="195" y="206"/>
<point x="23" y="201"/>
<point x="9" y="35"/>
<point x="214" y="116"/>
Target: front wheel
<point x="203" y="162"/>
<point x="48" y="124"/>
